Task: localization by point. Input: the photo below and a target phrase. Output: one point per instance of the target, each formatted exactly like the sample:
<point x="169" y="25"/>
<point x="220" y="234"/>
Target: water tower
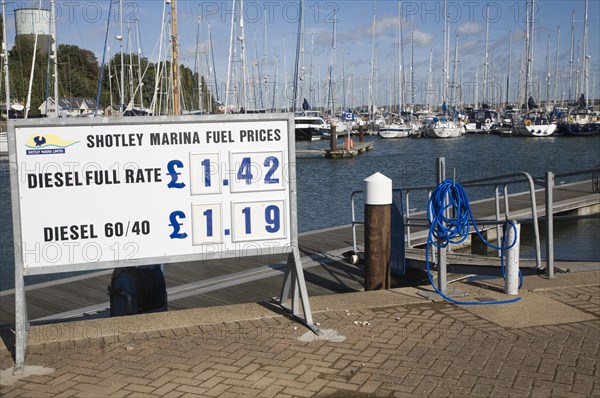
<point x="28" y="22"/>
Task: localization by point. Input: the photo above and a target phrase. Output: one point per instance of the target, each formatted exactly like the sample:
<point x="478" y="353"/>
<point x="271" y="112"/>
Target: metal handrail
<point x="525" y="177"/>
<point x="518" y="177"/>
<point x="354" y="222"/>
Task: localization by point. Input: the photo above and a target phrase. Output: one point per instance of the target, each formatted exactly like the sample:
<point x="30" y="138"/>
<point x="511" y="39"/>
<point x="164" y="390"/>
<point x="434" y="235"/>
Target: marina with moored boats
<point x="220" y="195"/>
<point x="529" y="101"/>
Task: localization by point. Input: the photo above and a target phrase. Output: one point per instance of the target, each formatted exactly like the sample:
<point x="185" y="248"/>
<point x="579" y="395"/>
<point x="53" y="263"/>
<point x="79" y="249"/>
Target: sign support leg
<point x="294" y="286"/>
<point x="21" y="321"/>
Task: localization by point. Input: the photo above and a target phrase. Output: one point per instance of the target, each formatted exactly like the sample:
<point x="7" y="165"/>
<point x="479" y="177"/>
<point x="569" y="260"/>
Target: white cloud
<point x="469" y="28"/>
<point x="422" y="39"/>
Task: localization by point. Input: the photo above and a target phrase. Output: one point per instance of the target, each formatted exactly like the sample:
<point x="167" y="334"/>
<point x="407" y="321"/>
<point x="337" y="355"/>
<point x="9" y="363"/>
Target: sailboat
<point x="535" y="123"/>
<point x="581" y="120"/>
<point x="397" y="128"/>
<point x="442" y="126"/>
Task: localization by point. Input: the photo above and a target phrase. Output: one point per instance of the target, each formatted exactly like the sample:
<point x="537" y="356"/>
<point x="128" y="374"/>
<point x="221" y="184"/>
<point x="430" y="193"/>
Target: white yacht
<point x="310" y="127"/>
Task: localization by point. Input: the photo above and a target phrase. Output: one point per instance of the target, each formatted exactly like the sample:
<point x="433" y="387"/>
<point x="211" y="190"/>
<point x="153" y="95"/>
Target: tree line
<point x="79" y="76"/>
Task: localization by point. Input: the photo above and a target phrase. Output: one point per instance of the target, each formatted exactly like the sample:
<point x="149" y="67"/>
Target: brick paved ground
<point x="429" y="349"/>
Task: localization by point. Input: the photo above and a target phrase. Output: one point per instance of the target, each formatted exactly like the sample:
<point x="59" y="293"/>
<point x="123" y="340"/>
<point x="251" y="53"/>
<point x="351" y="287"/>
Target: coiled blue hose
<point x="450" y="218"/>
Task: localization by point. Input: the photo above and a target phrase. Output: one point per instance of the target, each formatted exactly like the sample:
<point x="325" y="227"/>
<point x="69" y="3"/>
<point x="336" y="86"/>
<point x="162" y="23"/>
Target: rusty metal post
<point x="333" y="138"/>
<point x="378" y="210"/>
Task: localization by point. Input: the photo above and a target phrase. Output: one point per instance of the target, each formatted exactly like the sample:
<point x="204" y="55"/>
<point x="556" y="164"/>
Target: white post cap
<point x="378" y="190"/>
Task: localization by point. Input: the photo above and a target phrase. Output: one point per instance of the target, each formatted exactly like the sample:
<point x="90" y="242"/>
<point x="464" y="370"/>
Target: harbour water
<point x="324" y="185"/>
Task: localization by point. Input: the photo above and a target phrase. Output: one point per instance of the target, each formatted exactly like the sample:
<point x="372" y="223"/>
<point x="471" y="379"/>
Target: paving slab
<point x="382" y="343"/>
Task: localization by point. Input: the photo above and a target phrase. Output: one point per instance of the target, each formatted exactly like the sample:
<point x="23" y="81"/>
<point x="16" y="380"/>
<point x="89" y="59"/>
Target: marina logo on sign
<point x="47" y="144"/>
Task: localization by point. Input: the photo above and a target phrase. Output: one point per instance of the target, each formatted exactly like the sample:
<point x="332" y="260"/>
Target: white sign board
<point x="106" y="193"/>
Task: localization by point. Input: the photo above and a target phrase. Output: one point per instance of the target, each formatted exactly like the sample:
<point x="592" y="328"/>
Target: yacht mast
<point x="214" y="70"/>
<point x="476" y="99"/>
<point x="158" y="73"/>
<point x="412" y="65"/>
<point x="230" y="57"/>
<point x="175" y="60"/>
<point x="429" y="81"/>
<point x="402" y="75"/>
<point x="265" y="76"/>
<point x="372" y="72"/>
<point x="509" y="65"/>
<point x="106" y="49"/>
<point x="139" y="49"/>
<point x="273" y="105"/>
<point x="548" y="72"/>
<point x="586" y="56"/>
<point x="5" y="56"/>
<point x="130" y="74"/>
<point x="312" y="64"/>
<point x="556" y="65"/>
<point x="399" y="37"/>
<point x="343" y="96"/>
<point x="197" y="65"/>
<point x="531" y="40"/>
<point x="35" y="28"/>
<point x="485" y="56"/>
<point x="120" y="39"/>
<point x="330" y="99"/>
<point x="297" y="64"/>
<point x="454" y="75"/>
<point x="529" y="50"/>
<point x="445" y="64"/>
<point x="54" y="56"/>
<point x="110" y="93"/>
<point x="285" y="72"/>
<point x="258" y="95"/>
<point x="571" y="94"/>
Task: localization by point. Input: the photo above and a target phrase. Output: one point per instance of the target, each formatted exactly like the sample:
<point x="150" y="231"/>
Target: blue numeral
<point x="273" y="163"/>
<point x="245" y="171"/>
<point x="272" y="218"/>
<point x="206" y="164"/>
<point x="246" y="211"/>
<point x="209" y="222"/>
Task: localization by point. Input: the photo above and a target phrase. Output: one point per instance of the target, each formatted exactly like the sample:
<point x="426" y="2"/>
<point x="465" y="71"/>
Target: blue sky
<point x="84" y="22"/>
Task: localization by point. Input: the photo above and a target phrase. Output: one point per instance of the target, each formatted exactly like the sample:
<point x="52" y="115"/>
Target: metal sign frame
<point x="294" y="285"/>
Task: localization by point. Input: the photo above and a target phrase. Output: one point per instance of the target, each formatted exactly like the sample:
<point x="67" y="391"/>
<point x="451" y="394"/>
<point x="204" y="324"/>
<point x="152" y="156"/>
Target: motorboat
<point x="395" y="130"/>
<point x="481" y="120"/>
<point x="310" y="127"/>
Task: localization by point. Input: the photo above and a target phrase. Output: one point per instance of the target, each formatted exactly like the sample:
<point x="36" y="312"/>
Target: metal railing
<point x="550" y="217"/>
<point x="498" y="183"/>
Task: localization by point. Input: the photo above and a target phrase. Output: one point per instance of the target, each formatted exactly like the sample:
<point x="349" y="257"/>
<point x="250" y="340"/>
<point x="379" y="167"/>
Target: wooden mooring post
<point x="333" y="138"/>
<point x="378" y="213"/>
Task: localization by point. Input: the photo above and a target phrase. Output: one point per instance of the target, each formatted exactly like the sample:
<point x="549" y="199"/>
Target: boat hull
<point x="578" y="129"/>
<point x="443" y="132"/>
<point x="3" y="143"/>
<point x="308" y="134"/>
<point x="394" y="132"/>
<point x="534" y="130"/>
